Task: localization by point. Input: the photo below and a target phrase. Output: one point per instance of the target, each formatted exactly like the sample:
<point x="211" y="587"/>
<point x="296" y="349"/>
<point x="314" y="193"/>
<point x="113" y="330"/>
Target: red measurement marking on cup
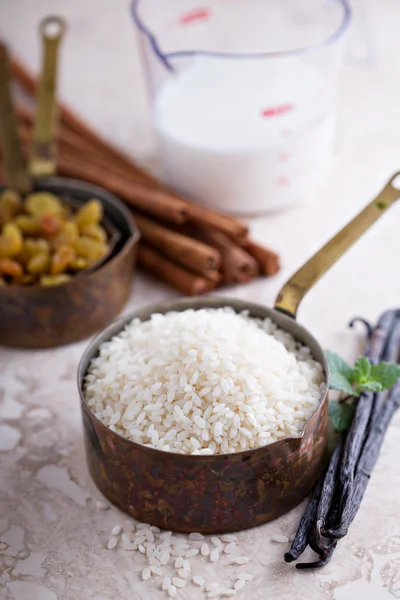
<point x="197" y="14"/>
<point x="276" y="111"/>
<point x="284" y="156"/>
<point x="283" y="180"/>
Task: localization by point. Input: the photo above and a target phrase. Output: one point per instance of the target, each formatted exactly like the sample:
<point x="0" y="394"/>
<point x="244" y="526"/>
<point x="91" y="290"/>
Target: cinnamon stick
<point x="156" y="202"/>
<point x="237" y="264"/>
<point x="186" y="282"/>
<point x="206" y="217"/>
<point x="185" y="250"/>
<point x="266" y="258"/>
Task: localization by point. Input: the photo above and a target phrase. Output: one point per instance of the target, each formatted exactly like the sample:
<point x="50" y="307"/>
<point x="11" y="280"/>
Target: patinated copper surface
<point x="208" y="494"/>
<point x="38" y="317"/>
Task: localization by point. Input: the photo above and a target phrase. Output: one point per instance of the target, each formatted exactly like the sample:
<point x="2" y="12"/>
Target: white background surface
<point x="101" y="78"/>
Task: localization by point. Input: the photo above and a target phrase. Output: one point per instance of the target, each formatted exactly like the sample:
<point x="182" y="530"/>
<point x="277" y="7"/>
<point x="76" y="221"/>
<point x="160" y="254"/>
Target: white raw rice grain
<point x="212" y="586"/>
<point x="179" y="583"/>
<point x="242" y="381"/>
<point x="197" y="537"/>
<point x="113" y="541"/>
<point x="186" y="565"/>
<point x="156" y="570"/>
<point x="101" y="505"/>
<point x="280" y="539"/>
<point x="214" y="556"/>
<point x="116" y="530"/>
<point x="179" y="562"/>
<point x="184" y="573"/>
<point x="192" y="552"/>
<point x="239" y="585"/>
<point x="198" y="580"/>
<point x="172" y="590"/>
<point x="140" y="539"/>
<point x="205" y="550"/>
<point x="155" y="529"/>
<point x="165" y="556"/>
<point x="146" y="573"/>
<point x="150" y="536"/>
<point x="214" y="593"/>
<point x="227" y="593"/>
<point x="242" y="560"/>
<point x="229" y="548"/>
<point x="166" y="583"/>
<point x="216" y="541"/>
<point x="245" y="576"/>
<point x="142" y="549"/>
<point x="228" y="537"/>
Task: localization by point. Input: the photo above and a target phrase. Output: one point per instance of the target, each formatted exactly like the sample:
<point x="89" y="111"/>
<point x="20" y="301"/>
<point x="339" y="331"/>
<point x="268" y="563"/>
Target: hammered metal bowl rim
<point x="178" y="305"/>
<point x="132" y="240"/>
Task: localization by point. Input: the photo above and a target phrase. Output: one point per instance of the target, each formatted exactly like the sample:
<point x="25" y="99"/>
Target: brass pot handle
<point x="42" y="159"/>
<point x="294" y="290"/>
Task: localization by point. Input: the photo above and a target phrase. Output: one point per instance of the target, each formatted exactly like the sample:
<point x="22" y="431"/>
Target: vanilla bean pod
<point x="367" y="461"/>
<point x="317" y="508"/>
<point x="300" y="541"/>
<point x="331" y="496"/>
<point x="358" y="428"/>
<point x="391" y="354"/>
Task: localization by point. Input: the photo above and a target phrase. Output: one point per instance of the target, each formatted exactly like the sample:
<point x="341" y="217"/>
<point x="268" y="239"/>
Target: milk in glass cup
<point x="243" y="96"/>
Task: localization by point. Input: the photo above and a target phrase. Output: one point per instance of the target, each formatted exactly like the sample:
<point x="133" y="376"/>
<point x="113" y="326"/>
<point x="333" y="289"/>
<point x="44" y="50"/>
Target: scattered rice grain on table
<point x="206" y="381"/>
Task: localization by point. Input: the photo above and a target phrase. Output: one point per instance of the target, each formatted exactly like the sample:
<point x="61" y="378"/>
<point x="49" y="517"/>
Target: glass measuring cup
<point x="243" y="96"/>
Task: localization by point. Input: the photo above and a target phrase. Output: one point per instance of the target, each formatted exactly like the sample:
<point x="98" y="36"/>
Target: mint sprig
<point x="363" y="377"/>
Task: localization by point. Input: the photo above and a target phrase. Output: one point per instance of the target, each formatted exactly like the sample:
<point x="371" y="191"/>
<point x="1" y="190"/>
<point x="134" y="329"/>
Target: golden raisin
<point x="39" y="263"/>
<point x="49" y="280"/>
<point x="33" y="246"/>
<point x="49" y="224"/>
<point x="12" y="200"/>
<point x="11" y="241"/>
<point x="67" y="234"/>
<point x="97" y="232"/>
<point x="78" y="264"/>
<point x="90" y="213"/>
<point x="90" y="249"/>
<point x="10" y="268"/>
<point x="61" y="259"/>
<point x="28" y="225"/>
<point x="40" y="203"/>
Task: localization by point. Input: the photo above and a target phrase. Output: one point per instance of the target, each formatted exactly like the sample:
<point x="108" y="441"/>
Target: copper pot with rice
<point x="222" y="491"/>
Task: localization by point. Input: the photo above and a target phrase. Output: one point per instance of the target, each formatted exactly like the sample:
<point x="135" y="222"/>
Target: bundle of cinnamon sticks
<point x="187" y="245"/>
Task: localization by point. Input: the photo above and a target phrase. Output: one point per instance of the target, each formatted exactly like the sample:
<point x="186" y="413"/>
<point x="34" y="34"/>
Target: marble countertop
<point x="53" y="536"/>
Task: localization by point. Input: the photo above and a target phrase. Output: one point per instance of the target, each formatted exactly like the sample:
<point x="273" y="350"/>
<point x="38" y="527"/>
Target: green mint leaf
<point x="341" y="415"/>
<point x="338" y="365"/>
<point x="386" y="373"/>
<point x="339" y="382"/>
<point x="370" y="386"/>
<point x="362" y="370"/>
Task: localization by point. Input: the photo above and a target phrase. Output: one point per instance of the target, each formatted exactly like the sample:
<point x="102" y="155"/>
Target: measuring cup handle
<point x="42" y="159"/>
<point x="294" y="290"/>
